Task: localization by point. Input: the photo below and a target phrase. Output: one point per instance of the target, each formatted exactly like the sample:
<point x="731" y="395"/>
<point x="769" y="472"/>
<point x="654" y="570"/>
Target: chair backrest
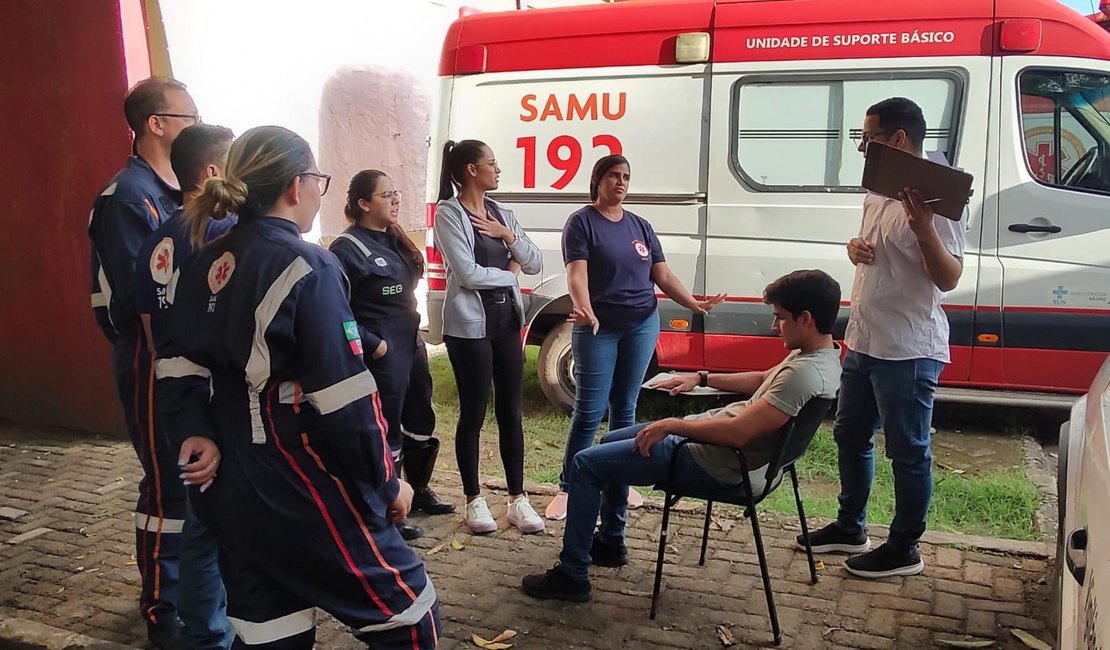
<point x="795" y="435"/>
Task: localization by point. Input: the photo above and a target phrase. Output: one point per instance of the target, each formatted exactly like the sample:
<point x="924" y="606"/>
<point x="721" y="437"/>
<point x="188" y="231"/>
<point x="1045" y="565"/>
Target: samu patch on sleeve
<point x="350" y="330"/>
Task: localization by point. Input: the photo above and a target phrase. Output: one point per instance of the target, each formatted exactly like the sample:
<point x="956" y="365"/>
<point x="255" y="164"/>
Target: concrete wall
<point x="63" y="133"/>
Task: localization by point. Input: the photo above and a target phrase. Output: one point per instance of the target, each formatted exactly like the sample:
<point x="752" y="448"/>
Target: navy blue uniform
<point x="129" y="208"/>
<point x="202" y="600"/>
<point x="383" y="280"/>
<point x="266" y="360"/>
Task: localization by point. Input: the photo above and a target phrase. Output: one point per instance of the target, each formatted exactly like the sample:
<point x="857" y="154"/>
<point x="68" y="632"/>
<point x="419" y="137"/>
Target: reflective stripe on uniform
<point x="410" y="616"/>
<point x="258" y="365"/>
<point x="361" y="246"/>
<point x="149" y="523"/>
<point x="99" y="300"/>
<point x="336" y="396"/>
<point x="415" y="436"/>
<point x="178" y="367"/>
<point x="258" y="432"/>
<point x="289" y="392"/>
<point x="274" y="630"/>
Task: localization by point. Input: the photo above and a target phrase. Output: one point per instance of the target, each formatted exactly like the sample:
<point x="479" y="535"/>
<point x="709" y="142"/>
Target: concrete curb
<point x="1038" y="550"/>
<point x="21" y="634"/>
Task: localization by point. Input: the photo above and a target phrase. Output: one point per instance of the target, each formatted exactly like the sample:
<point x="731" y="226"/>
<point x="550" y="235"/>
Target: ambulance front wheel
<point x="555" y="368"/>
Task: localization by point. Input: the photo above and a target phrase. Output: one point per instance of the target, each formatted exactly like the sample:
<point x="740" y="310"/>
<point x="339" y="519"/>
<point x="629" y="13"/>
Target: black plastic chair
<point x="794" y="438"/>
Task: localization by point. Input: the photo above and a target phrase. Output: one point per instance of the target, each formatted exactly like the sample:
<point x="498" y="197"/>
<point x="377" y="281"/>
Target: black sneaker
<point x="884" y="562"/>
<point x="831" y="539"/>
<point x="557" y="585"/>
<point x="610" y="555"/>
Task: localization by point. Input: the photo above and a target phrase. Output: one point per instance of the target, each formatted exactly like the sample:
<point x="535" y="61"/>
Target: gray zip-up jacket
<point x="463" y="314"/>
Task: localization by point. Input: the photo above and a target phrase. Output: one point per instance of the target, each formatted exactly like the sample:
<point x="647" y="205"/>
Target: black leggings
<point x="477" y="363"/>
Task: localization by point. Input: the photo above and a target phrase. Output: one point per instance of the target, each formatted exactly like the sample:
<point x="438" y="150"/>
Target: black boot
<point x="409" y="531"/>
<point x="419" y="463"/>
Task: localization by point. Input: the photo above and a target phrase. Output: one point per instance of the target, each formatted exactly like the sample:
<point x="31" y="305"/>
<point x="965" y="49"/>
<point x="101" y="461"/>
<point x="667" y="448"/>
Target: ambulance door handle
<point x="1076" y="554"/>
<point x="1034" y="227"/>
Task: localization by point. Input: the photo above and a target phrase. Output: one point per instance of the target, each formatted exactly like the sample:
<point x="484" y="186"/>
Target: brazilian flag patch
<point x="350" y="330"/>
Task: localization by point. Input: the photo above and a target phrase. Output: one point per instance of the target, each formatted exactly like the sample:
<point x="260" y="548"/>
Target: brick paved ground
<point x="66" y="547"/>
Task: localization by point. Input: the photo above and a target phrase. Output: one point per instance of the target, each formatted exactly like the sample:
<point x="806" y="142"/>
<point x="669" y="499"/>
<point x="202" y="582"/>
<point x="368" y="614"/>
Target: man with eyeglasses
<point x="907" y="259"/>
<point x="136" y="201"/>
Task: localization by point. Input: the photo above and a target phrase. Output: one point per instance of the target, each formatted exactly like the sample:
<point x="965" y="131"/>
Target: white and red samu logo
<point x="161" y="261"/>
<point x="641" y="248"/>
<point x="220" y="272"/>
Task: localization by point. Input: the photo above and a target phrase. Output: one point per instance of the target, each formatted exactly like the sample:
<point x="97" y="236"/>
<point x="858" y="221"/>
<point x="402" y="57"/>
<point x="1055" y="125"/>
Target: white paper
<point x="696" y="390"/>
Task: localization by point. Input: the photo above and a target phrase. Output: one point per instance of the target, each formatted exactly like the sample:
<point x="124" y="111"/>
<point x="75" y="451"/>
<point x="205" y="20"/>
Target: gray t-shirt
<point x="799" y="378"/>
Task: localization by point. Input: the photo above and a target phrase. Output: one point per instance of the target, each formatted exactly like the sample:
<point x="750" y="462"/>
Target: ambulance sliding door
<point x="784" y="183"/>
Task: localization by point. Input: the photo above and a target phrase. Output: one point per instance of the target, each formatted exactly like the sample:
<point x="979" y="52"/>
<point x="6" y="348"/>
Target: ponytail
<point x="456" y="157"/>
<point x="446" y="186"/>
<point x="219" y="197"/>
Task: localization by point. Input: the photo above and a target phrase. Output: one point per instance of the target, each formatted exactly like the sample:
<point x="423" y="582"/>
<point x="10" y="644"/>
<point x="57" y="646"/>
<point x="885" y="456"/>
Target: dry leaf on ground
<point x="457" y="545"/>
<point x="489" y="645"/>
<point x="1029" y="640"/>
<point x="820" y="565"/>
<point x="725" y="635"/>
<point x="957" y="643"/>
<point x="723" y="525"/>
<point x="436" y="549"/>
<point x="504" y="636"/>
<point x="633" y="592"/>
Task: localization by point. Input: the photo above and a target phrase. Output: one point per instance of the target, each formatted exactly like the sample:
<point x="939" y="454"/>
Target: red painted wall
<point x="63" y="135"/>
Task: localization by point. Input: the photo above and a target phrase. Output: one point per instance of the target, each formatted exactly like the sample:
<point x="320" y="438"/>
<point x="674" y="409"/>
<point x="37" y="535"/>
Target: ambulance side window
<point x="800" y="134"/>
<point x="1065" y="120"/>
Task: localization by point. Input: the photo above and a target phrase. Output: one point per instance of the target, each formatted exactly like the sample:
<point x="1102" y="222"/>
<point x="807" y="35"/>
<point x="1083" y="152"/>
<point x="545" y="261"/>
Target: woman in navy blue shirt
<point x="614" y="261"/>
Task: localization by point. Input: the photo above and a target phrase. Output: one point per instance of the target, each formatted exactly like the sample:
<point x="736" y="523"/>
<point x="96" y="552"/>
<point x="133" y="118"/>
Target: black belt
<point x="496" y="296"/>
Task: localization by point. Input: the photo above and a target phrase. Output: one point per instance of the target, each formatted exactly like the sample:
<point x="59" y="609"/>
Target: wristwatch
<point x="703" y="378"/>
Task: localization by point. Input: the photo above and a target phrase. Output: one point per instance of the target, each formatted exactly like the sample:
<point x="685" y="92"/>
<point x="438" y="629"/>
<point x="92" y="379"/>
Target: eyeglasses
<point x="390" y="195"/>
<point x="194" y="117"/>
<point x="863" y="138"/>
<point x="322" y="180"/>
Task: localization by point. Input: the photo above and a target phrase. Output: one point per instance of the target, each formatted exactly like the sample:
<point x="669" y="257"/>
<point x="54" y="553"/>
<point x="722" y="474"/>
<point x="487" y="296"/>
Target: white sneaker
<point x="524" y="516"/>
<point x="477" y="517"/>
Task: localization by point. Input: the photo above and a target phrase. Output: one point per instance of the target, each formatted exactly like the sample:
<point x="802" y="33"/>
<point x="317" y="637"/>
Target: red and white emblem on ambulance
<point x="220" y="272"/>
<point x="641" y="248"/>
<point x="161" y="261"/>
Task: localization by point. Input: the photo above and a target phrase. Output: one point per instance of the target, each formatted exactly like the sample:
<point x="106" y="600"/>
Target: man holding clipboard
<point x="906" y="259"/>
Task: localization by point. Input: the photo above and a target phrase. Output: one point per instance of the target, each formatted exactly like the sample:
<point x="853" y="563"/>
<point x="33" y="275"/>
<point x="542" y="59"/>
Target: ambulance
<point x="741" y="118"/>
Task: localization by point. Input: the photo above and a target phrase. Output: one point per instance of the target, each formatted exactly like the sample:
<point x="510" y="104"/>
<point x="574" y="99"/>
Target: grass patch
<point x="999" y="503"/>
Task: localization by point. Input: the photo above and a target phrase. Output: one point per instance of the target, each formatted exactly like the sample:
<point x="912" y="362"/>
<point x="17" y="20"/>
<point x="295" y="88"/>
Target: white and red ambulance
<point x="739" y="118"/>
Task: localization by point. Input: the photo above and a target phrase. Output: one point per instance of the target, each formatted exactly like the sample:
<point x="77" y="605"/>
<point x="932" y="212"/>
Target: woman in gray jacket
<point x="484" y="248"/>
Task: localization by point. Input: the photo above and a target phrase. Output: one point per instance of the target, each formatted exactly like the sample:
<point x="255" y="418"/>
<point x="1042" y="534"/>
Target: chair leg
<point x="766" y="575"/>
<point x="662" y="550"/>
<point x="705" y="531"/>
<point x="805" y="526"/>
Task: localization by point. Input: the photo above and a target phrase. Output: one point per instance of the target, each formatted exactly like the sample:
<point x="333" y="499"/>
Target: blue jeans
<point x="600" y="477"/>
<point x="609" y="369"/>
<point x="202" y="604"/>
<point x="898" y="394"/>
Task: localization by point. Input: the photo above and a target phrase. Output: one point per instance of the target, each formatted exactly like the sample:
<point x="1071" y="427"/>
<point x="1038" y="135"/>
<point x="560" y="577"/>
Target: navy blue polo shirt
<point x="163" y="252"/>
<point x="619" y="258"/>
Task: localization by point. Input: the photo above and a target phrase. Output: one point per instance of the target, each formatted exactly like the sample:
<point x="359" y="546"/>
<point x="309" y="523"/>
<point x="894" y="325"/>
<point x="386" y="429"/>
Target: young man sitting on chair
<point x="805" y="305"/>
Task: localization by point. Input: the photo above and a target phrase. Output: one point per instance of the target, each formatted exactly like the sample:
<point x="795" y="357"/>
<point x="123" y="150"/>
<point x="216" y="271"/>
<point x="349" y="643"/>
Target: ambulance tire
<point x="555" y="367"/>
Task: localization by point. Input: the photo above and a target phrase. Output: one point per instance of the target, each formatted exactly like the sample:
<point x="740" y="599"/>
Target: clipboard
<point x="888" y="171"/>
